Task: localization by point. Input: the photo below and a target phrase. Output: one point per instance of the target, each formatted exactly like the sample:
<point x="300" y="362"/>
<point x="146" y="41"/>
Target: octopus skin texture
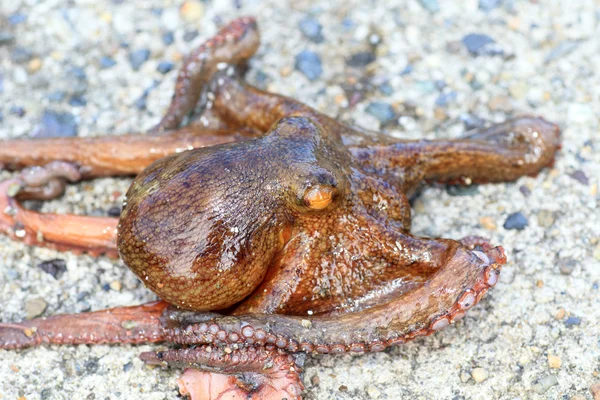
<point x="268" y="230"/>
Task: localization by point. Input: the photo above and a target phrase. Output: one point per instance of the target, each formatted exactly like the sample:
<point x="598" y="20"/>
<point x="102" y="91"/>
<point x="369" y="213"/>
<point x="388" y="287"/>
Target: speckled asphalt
<point x="414" y="67"/>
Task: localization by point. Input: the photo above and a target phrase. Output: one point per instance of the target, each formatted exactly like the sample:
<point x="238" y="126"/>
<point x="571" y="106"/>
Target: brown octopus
<point x="292" y="225"/>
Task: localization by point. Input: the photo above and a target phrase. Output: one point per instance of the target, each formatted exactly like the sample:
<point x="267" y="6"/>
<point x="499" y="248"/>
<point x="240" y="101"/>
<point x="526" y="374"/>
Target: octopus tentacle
<point x="454" y="289"/>
<point x="137" y="324"/>
<point x="503" y="152"/>
<point x="252" y="373"/>
<point x="233" y="44"/>
<point x="112" y="155"/>
<point x="94" y="235"/>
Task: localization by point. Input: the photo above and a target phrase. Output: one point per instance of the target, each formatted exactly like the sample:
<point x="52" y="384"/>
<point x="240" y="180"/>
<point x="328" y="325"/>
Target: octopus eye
<point x="319" y="197"/>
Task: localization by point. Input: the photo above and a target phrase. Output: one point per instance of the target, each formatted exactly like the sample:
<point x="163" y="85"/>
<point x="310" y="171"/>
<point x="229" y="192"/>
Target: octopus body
<point x="279" y="231"/>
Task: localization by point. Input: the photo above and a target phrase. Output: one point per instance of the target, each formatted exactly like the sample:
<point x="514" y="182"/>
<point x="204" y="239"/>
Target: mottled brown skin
<point x="292" y="224"/>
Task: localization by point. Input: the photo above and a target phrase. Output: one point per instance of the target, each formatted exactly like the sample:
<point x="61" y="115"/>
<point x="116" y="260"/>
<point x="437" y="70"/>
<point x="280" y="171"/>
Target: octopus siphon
<point x="268" y="230"/>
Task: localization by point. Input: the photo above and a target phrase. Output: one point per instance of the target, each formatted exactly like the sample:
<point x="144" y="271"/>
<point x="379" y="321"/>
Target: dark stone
<point x="384" y="112"/>
<point x="164" y="67"/>
<point x="91" y="365"/>
<point x="17" y="18"/>
<point x="567" y="266"/>
<point x="580" y="177"/>
<point x="479" y="44"/>
<point x="21" y="55"/>
<point x="489" y="5"/>
<point x="311" y="29"/>
<point x="106" y="287"/>
<point x="188" y="36"/>
<point x="525" y="190"/>
<point x="516" y="221"/>
<point x="386" y="89"/>
<point x="462" y="190"/>
<point x="361" y="59"/>
<point x="138" y="57"/>
<point x="78" y="73"/>
<point x="572" y="321"/>
<point x="114" y="211"/>
<point x="6" y="38"/>
<point x="408" y="69"/>
<point x="127" y="366"/>
<point x="77" y="101"/>
<point x="82" y="295"/>
<point x="56" y="267"/>
<point x="309" y="63"/>
<point x="56" y="124"/>
<point x="168" y="38"/>
<point x="140" y="103"/>
<point x="19" y="111"/>
<point x="57" y="96"/>
<point x="445" y="98"/>
<point x="107" y="62"/>
<point x="471" y="121"/>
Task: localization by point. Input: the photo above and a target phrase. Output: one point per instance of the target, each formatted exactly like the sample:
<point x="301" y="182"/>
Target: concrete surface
<point x="535" y="336"/>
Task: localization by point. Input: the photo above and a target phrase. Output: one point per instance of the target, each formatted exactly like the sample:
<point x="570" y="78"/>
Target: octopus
<point x="268" y="230"/>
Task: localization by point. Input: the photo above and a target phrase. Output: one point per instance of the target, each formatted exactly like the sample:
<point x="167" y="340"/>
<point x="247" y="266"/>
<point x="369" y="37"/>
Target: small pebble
<point x="309" y="63"/>
<point x="6" y="38"/>
<point x="127" y="366"/>
<point x="384" y="112"/>
<point x="56" y="267"/>
<point x="164" y="67"/>
<point x="572" y="321"/>
<point x="116" y="286"/>
<point x="17" y="18"/>
<point x="77" y="101"/>
<point x="168" y="38"/>
<point x="57" y="96"/>
<point x="546" y="218"/>
<point x="192" y="11"/>
<point x="515" y="221"/>
<point x="361" y="59"/>
<point x="562" y="50"/>
<point x="34" y="65"/>
<point x="107" y="62"/>
<point x="544" y="383"/>
<point x="114" y="211"/>
<point x="445" y="98"/>
<point x="480" y="44"/>
<point x="489" y="5"/>
<point x="462" y="190"/>
<point x="138" y="57"/>
<point x="567" y="266"/>
<point x="35" y="307"/>
<point x="560" y="314"/>
<point x="91" y="365"/>
<point x="430" y="5"/>
<point x="311" y="29"/>
<point x="554" y="362"/>
<point x="479" y="374"/>
<point x="140" y="102"/>
<point x="188" y="36"/>
<point x="471" y="121"/>
<point x="20" y="54"/>
<point x="580" y="177"/>
<point x="18" y="111"/>
<point x="488" y="223"/>
<point x="525" y="190"/>
<point x="56" y="124"/>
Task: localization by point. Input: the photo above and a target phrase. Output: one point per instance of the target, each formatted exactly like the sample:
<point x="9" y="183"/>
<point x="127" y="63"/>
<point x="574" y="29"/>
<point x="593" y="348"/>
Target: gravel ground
<point x="410" y="67"/>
